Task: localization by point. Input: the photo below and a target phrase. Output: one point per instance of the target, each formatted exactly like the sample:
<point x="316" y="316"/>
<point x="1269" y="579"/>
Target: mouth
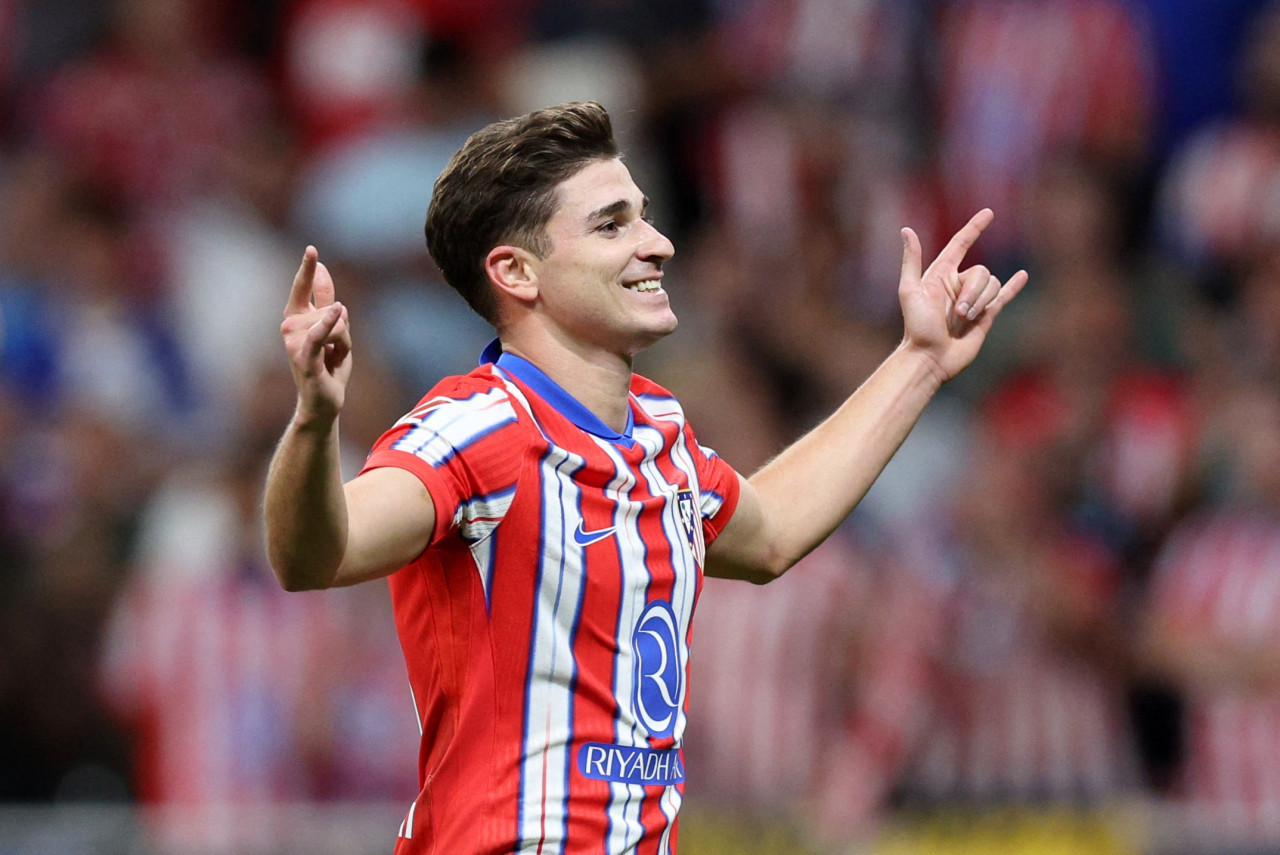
<point x="645" y="286"/>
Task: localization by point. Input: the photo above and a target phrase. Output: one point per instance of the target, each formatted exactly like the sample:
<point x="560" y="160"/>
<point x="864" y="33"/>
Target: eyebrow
<point x="616" y="208"/>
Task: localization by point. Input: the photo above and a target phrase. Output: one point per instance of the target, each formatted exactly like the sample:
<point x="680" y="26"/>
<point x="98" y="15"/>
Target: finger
<point x="984" y="300"/>
<point x="322" y="287"/>
<point x="972" y="284"/>
<point x="911" y="258"/>
<point x="300" y="293"/>
<point x="322" y="331"/>
<point x="337" y="344"/>
<point x="956" y="249"/>
<point x="1007" y="292"/>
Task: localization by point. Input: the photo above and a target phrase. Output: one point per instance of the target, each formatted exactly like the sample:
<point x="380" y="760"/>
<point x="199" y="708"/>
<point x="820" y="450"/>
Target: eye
<point x="609" y="227"/>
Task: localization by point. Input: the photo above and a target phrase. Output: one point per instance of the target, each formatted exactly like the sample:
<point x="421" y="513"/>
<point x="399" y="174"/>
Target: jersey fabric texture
<point x="546" y="627"/>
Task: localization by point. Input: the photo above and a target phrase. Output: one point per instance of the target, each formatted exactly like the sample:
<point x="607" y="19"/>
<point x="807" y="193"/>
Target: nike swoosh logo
<point x="582" y="537"/>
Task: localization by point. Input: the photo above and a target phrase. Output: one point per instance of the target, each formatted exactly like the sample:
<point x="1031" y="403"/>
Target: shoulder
<point x="482" y="391"/>
<point x="458" y="412"/>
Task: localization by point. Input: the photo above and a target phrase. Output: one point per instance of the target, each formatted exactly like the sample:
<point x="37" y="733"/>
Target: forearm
<point x="789" y="506"/>
<point x="809" y="489"/>
<point x="305" y="507"/>
<point x="1205" y="664"/>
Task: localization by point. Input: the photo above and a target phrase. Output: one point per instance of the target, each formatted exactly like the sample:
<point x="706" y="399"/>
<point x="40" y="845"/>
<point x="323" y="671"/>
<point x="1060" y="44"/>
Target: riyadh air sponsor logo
<point x="582" y="537"/>
<point x="627" y="764"/>
<point x="659" y="675"/>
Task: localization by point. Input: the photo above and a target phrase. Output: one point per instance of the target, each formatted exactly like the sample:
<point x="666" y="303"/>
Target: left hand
<point x="947" y="311"/>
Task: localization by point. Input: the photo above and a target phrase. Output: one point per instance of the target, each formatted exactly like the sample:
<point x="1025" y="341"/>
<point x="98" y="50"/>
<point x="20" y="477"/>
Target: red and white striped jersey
<point x="243" y="698"/>
<point x="1218" y="581"/>
<point x="546" y="627"/>
<point x="1016" y="716"/>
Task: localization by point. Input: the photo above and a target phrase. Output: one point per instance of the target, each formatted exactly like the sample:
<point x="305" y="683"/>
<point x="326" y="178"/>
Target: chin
<point x="654" y="334"/>
<point x="667" y="326"/>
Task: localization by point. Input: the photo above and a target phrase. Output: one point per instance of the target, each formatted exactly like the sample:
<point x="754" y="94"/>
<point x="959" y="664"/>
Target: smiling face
<point x="600" y="287"/>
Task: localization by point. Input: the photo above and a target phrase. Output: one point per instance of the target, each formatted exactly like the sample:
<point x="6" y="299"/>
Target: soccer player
<point x="546" y="520"/>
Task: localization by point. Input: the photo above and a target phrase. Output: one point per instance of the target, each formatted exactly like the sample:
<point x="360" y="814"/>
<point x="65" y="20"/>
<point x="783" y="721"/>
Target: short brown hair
<point x="500" y="188"/>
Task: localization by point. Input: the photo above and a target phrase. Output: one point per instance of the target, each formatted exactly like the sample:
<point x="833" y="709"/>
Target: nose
<point x="654" y="247"/>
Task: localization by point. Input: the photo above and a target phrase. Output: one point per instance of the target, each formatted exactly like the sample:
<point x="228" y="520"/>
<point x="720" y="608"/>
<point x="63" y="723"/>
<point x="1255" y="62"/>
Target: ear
<point x="513" y="272"/>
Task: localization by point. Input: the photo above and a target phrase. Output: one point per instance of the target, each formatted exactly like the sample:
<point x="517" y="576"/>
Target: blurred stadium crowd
<point x="1053" y="626"/>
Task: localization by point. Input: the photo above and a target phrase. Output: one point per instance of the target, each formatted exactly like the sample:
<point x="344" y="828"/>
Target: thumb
<point x="911" y="259"/>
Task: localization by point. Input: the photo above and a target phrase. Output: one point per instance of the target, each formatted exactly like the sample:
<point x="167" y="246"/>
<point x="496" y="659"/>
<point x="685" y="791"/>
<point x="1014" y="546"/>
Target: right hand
<point x="317" y="337"/>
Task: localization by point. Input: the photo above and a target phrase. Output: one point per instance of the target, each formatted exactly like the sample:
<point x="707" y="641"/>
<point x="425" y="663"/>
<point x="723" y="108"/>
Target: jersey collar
<point x="555" y="395"/>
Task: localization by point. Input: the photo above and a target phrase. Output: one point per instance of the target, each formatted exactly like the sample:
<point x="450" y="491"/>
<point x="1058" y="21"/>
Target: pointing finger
<point x="300" y="293"/>
<point x="956" y="249"/>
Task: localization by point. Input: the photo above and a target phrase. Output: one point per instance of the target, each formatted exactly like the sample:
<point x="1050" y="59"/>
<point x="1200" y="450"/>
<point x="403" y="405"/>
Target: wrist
<point x="921" y="365"/>
<point x="317" y="424"/>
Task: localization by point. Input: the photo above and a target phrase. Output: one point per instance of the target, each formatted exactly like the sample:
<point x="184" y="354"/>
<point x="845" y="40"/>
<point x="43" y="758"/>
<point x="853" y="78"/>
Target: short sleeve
<point x="464" y="446"/>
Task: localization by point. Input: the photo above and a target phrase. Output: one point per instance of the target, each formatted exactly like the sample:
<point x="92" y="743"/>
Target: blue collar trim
<point x="555" y="395"/>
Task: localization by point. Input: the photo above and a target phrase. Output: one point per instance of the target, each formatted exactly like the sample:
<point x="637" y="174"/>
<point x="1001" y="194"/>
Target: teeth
<point x="647" y="286"/>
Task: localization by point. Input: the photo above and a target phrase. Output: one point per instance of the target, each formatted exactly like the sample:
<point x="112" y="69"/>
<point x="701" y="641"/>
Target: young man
<point x="546" y="520"/>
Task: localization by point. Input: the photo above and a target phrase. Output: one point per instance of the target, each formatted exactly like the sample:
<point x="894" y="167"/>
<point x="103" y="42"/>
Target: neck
<point x="599" y="380"/>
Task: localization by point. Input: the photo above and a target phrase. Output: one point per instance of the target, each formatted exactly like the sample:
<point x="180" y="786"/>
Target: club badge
<point x="691" y="521"/>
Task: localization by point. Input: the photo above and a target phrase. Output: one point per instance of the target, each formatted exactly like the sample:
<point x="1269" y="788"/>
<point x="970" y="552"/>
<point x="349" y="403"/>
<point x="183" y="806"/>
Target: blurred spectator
<point x="295" y="703"/>
<point x="223" y="256"/>
<point x="348" y="64"/>
<point x="800" y="265"/>
<point x="766" y="716"/>
<point x="352" y="66"/>
<point x="658" y="68"/>
<point x="32" y="191"/>
<point x="116" y="353"/>
<point x="1220" y="199"/>
<point x="36" y="40"/>
<point x="1026" y="704"/>
<point x="1197" y="43"/>
<point x="364" y="198"/>
<point x="1213" y="625"/>
<point x="1019" y="80"/>
<point x="68" y="499"/>
<point x="149" y="114"/>
<point x="856" y="53"/>
<point x="1125" y="425"/>
<point x="362" y="201"/>
<point x="88" y="374"/>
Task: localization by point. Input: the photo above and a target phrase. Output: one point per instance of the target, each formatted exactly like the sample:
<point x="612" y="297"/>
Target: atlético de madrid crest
<point x="691" y="521"/>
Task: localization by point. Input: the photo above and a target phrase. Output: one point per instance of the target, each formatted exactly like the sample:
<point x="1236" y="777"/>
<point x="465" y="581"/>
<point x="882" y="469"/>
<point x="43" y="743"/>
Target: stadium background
<point x="1054" y="626"/>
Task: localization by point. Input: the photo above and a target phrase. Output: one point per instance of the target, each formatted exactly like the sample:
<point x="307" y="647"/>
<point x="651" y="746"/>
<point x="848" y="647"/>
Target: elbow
<point x="760" y="571"/>
<point x="768" y="571"/>
<point x="295" y="584"/>
<point x="294" y="576"/>
<point x="290" y="581"/>
<point x="770" y="563"/>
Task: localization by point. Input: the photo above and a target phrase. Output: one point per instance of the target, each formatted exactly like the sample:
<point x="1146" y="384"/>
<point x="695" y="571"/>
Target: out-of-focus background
<point x="1054" y="625"/>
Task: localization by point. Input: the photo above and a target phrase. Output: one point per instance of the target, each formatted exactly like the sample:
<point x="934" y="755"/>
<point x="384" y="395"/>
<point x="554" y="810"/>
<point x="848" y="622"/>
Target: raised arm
<point x="321" y="533"/>
<point x="796" y="500"/>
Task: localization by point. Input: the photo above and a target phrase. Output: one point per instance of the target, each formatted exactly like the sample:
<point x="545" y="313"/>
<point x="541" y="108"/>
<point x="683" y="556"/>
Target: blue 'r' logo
<point x="658" y="675"/>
